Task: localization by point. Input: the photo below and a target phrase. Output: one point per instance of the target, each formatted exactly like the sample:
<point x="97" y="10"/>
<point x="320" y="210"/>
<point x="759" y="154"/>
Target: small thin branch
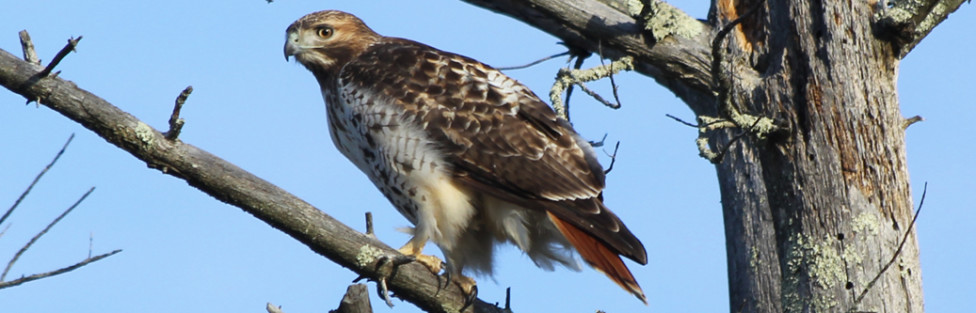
<point x="68" y="48"/>
<point x="911" y="120"/>
<point x="613" y="159"/>
<point x="568" y="77"/>
<point x="175" y="122"/>
<point x="36" y="179"/>
<point x="519" y="67"/>
<point x="42" y="232"/>
<point x="681" y="121"/>
<point x="613" y="84"/>
<point x="30" y="55"/>
<point x="562" y="107"/>
<point x="369" y="224"/>
<point x="57" y="271"/>
<point x="894" y="257"/>
<point x="597" y="96"/>
<point x="597" y="144"/>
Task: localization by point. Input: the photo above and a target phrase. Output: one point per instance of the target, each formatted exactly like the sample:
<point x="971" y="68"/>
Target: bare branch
<point x="175" y="122"/>
<point x="42" y="232"/>
<point x="30" y="55"/>
<point x="68" y="48"/>
<point x="680" y="63"/>
<point x="226" y="182"/>
<point x="84" y="262"/>
<point x="36" y="179"/>
<point x="569" y="77"/>
<point x="907" y="22"/>
<point x="679" y="120"/>
<point x="519" y="67"/>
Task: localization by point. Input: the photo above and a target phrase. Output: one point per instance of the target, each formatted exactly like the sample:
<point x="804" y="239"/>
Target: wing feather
<point x="500" y="137"/>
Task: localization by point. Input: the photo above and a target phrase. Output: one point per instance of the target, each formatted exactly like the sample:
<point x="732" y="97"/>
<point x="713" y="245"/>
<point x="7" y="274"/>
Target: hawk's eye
<point x="324" y="31"/>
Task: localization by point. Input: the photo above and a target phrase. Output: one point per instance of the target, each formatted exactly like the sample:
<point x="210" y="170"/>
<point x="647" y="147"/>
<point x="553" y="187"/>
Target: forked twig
<point x="41" y="233"/>
<point x="63" y="270"/>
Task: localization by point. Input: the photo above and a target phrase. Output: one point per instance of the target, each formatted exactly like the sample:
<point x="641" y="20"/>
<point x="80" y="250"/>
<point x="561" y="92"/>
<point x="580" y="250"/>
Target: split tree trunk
<point x="816" y="211"/>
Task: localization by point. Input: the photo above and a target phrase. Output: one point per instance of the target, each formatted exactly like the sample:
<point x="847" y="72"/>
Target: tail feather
<point x="599" y="256"/>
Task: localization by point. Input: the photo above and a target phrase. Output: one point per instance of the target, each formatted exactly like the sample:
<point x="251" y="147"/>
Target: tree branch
<point x="667" y="44"/>
<point x="84" y="262"/>
<point x="907" y="22"/>
<point x="412" y="282"/>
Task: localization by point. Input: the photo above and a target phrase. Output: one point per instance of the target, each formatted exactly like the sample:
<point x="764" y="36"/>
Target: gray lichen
<point x="367" y="254"/>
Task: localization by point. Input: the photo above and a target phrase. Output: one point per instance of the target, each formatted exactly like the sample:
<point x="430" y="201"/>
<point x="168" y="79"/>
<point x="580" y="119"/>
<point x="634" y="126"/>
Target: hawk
<point x="470" y="156"/>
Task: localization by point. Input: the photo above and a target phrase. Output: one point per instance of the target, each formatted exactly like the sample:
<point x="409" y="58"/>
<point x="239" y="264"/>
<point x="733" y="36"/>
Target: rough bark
<point x="363" y="254"/>
<point x="815" y="212"/>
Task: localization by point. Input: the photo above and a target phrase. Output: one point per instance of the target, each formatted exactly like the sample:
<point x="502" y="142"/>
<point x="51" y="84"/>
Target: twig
<point x="72" y="43"/>
<point x="567" y="77"/>
<point x="597" y="96"/>
<point x="613" y="159"/>
<point x="597" y="144"/>
<point x="894" y="257"/>
<point x="369" y="224"/>
<point x="519" y="67"/>
<point x="36" y="179"/>
<point x="44" y="231"/>
<point x="569" y="90"/>
<point x="681" y="121"/>
<point x="613" y="84"/>
<point x="175" y="122"/>
<point x="911" y="120"/>
<point x="30" y="55"/>
<point x="508" y="299"/>
<point x="84" y="262"/>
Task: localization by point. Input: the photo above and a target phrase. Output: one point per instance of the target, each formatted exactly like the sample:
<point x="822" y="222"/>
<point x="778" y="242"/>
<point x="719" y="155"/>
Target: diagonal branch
<point x="907" y="22"/>
<point x="660" y="42"/>
<point x="62" y="270"/>
<point x="231" y="184"/>
<point x="36" y="179"/>
<point x="42" y="232"/>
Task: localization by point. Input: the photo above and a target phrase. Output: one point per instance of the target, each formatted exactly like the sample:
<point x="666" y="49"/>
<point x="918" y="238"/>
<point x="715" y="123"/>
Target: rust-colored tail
<point x="599" y="256"/>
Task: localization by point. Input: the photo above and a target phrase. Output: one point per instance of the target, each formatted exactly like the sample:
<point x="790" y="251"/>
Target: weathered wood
<point x="356" y="300"/>
<point x="814" y="213"/>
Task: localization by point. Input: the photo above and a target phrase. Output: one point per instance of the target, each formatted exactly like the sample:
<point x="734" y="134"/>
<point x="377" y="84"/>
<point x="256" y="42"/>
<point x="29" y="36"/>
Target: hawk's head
<point x="324" y="41"/>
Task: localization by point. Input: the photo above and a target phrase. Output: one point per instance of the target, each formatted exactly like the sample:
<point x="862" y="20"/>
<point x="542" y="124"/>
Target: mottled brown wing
<point x="498" y="135"/>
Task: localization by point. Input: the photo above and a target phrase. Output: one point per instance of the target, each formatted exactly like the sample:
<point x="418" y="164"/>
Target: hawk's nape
<point x="470" y="156"/>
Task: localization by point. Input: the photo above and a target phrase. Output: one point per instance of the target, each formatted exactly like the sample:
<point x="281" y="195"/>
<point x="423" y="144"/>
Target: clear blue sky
<point x="184" y="251"/>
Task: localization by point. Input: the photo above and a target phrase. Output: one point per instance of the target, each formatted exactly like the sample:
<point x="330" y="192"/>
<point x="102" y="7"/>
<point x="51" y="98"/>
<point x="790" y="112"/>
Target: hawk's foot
<point x="468" y="286"/>
<point x="431" y="262"/>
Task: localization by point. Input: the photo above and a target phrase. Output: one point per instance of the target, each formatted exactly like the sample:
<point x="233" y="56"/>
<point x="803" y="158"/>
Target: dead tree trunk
<point x="814" y="180"/>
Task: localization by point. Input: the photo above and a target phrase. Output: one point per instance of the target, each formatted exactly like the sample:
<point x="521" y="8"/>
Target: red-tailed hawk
<point x="470" y="156"/>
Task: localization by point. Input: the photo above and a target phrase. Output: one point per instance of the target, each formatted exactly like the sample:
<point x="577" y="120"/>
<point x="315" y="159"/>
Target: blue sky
<point x="185" y="251"/>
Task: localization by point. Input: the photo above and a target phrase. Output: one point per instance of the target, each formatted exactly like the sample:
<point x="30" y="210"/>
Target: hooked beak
<point x="291" y="45"/>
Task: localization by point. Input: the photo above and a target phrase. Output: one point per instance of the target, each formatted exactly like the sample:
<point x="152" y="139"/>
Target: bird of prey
<point x="470" y="156"/>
